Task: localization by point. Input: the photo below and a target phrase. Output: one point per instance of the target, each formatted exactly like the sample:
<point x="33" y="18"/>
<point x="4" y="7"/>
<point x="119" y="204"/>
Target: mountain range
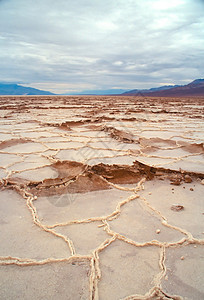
<point x="144" y="91"/>
<point x="17" y="89"/>
<point x="195" y="88"/>
<point x="100" y="92"/>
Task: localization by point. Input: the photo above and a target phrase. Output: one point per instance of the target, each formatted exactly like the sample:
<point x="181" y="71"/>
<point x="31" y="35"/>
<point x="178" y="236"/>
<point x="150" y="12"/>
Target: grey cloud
<point x="122" y="43"/>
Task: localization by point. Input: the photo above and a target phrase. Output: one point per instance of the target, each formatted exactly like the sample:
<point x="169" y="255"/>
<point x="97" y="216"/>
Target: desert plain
<point x="101" y="197"/>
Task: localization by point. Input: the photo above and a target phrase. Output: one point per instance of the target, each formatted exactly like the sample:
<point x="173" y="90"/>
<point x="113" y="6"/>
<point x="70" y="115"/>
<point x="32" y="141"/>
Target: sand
<point x="101" y="198"/>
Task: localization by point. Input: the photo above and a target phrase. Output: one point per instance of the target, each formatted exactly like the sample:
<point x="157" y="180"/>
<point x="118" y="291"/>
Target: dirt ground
<point x="101" y="197"/>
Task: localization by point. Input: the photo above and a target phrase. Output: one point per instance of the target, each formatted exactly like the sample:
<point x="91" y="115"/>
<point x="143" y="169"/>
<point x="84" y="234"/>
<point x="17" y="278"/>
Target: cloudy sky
<point x="74" y="45"/>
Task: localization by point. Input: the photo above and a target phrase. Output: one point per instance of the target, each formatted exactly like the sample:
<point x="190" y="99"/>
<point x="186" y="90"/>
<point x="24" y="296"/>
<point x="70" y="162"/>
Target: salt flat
<point x="101" y="197"/>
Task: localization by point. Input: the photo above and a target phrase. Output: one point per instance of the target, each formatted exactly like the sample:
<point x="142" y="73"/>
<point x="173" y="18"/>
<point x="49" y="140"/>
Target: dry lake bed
<point x="101" y="197"/>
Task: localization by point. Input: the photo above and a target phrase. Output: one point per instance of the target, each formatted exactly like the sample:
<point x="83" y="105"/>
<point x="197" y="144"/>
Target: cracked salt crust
<point x="82" y="231"/>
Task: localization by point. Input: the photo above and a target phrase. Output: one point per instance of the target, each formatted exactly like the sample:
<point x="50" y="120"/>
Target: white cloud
<point x="166" y="4"/>
<point x="101" y="44"/>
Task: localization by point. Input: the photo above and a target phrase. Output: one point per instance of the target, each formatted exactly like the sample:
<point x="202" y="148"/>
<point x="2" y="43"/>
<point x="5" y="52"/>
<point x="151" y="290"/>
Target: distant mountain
<point x="161" y="88"/>
<point x="195" y="88"/>
<point x="99" y="92"/>
<point x="16" y="89"/>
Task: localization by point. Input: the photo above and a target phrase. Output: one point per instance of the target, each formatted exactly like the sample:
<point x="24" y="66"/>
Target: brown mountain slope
<point x="195" y="88"/>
